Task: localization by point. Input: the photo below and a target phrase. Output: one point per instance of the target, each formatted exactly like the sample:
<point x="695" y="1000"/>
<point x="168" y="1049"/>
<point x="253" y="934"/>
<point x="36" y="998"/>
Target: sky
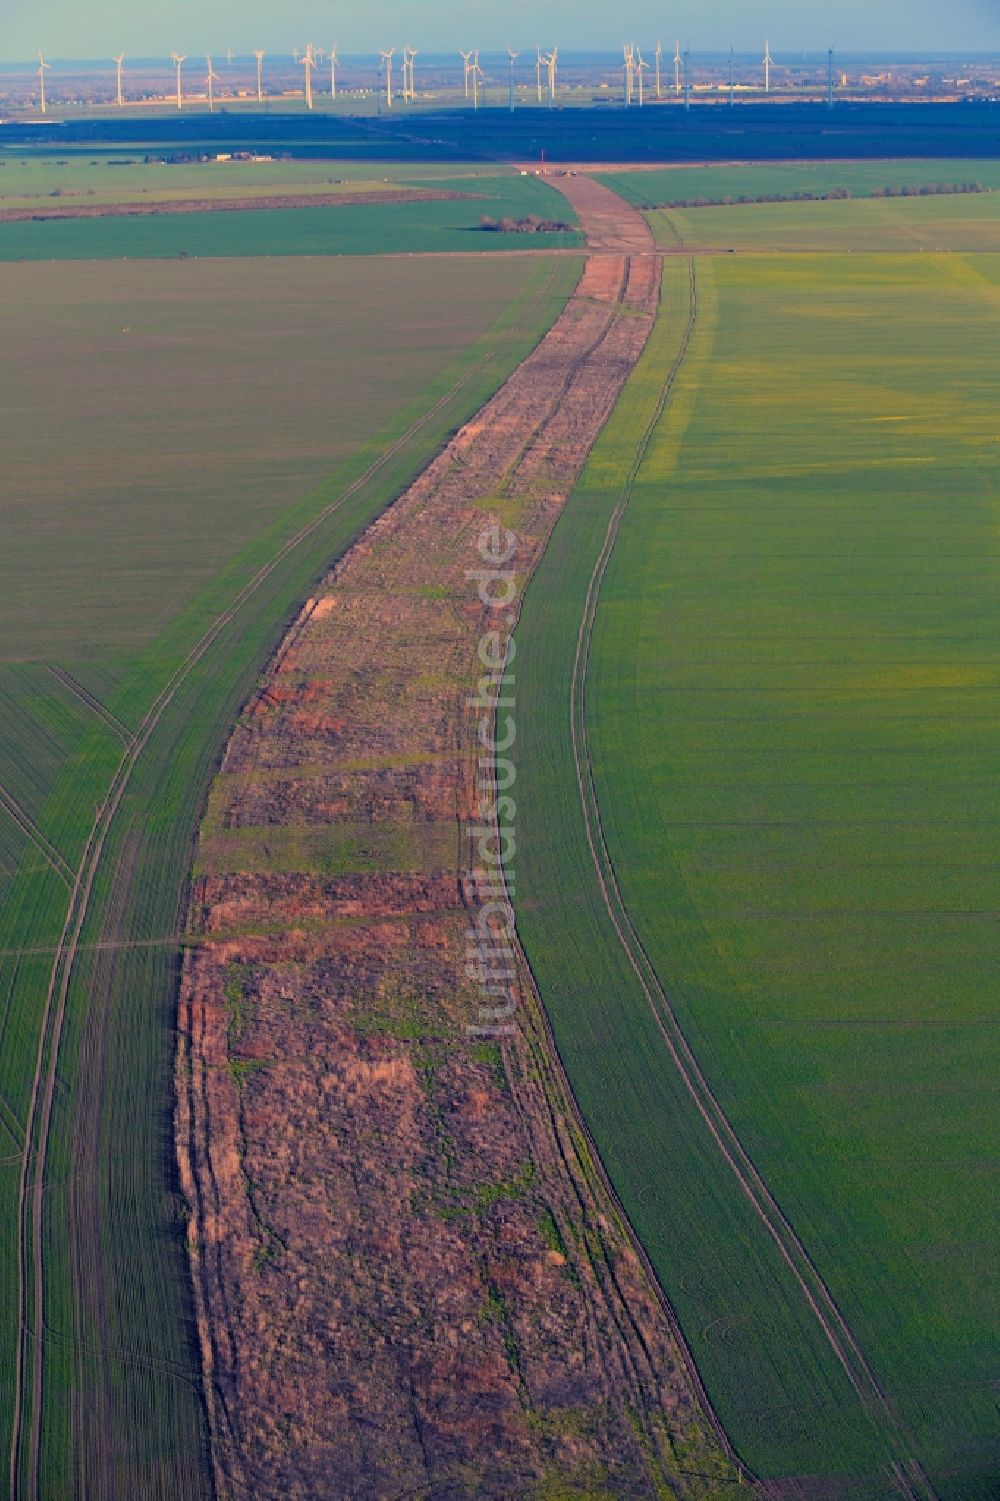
<point x="67" y="28"/>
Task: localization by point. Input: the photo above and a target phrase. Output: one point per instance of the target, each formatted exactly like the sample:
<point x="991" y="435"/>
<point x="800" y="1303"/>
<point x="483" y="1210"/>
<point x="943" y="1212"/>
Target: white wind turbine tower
<point x="43" y="66"/>
<point x="333" y="72"/>
<point x="467" y="60"/>
<point x="659" y="68"/>
<point x="768" y="60"/>
<point x="229" y="56"/>
<point x="119" y="63"/>
<point x="178" y="63"/>
<point x="677" y="69"/>
<point x="309" y="62"/>
<point x="387" y="59"/>
<point x="409" y="82"/>
<point x="629" y="65"/>
<point x="512" y="55"/>
<point x="551" y="64"/>
<point x="639" y="66"/>
<point x="538" y="73"/>
<point x="211" y="79"/>
<point x="478" y="77"/>
<point x="260" y="55"/>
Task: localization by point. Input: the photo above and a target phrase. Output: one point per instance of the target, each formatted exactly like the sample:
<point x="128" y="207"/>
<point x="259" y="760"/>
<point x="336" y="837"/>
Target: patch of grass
<point x="491" y="1054"/>
<point x="329" y="850"/>
<point x="486" y="1195"/>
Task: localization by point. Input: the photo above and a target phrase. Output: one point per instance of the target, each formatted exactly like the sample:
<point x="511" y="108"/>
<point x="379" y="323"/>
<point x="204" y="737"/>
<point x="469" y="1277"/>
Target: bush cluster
<point x="530" y="225"/>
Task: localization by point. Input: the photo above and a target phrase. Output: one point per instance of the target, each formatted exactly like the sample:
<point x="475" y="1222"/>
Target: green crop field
<point x="861" y="179"/>
<point x="82" y="176"/>
<point x="341" y="229"/>
<point x="188" y="447"/>
<point x="947" y="222"/>
<point x="786" y="732"/>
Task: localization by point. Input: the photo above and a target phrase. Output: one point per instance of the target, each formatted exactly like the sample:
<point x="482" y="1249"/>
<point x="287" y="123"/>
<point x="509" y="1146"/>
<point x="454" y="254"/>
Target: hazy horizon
<point x="906" y="26"/>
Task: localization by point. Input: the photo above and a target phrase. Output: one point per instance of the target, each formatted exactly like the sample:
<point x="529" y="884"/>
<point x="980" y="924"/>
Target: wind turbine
<point x="259" y="55"/>
<point x="119" y="63"/>
<point x="550" y="63"/>
<point x="478" y="76"/>
<point x="677" y="69"/>
<point x="629" y="56"/>
<point x="387" y="59"/>
<point x="409" y="83"/>
<point x="659" y="68"/>
<point x="308" y="62"/>
<point x="510" y="89"/>
<point x="768" y="59"/>
<point x="639" y="66"/>
<point x="178" y="62"/>
<point x="211" y="79"/>
<point x="829" y="78"/>
<point x="538" y="73"/>
<point x="333" y="72"/>
<point x="467" y="60"/>
<point x="687" y="77"/>
<point x="42" y="67"/>
<point x="229" y="56"/>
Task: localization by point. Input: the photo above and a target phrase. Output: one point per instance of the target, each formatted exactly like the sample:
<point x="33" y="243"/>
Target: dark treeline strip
<point x="891" y="190"/>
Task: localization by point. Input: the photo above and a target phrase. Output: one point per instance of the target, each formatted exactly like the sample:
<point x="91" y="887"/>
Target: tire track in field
<point x="906" y="1469"/>
<point x="92" y="702"/>
<point x="27" y="825"/>
<point x="32" y="1184"/>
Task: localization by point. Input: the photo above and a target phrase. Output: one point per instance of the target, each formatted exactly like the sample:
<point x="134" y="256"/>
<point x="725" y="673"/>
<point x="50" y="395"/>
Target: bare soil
<point x="410" y="1278"/>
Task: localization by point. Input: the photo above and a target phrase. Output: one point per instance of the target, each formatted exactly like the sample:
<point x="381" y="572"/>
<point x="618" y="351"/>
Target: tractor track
<point x="907" y="1472"/>
<point x="32" y="1183"/>
<point x="27" y="825"/>
<point x="93" y="703"/>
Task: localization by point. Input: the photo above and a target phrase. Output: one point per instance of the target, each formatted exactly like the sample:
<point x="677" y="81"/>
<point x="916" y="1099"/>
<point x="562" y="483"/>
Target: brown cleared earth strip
<point x="410" y="1277"/>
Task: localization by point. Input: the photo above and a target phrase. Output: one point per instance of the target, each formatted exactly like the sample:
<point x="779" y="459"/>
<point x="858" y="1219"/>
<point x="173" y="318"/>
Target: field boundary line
<point x="92" y="702"/>
<point x="20" y="816"/>
<point x="909" y="1476"/>
<point x="54" y="1009"/>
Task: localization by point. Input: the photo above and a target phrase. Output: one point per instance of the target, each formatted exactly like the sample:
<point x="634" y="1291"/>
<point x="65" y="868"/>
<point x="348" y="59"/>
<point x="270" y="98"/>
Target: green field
<point x="949" y="222"/>
<point x="676" y="184"/>
<point x="174" y="492"/>
<point x="81" y="175"/>
<point x="348" y="229"/>
<point x="790" y="706"/>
